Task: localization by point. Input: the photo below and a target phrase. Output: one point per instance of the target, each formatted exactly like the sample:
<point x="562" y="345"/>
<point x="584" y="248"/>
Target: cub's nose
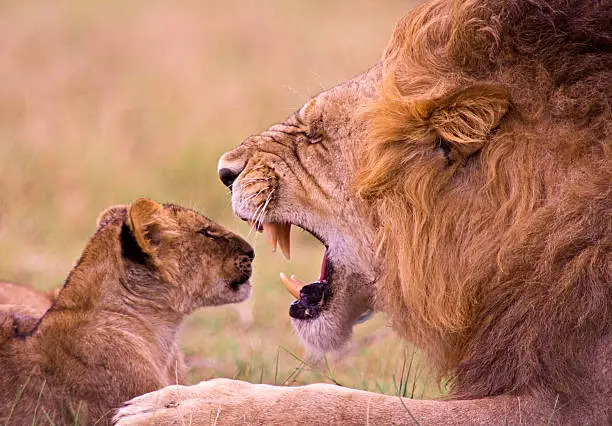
<point x="250" y="253"/>
<point x="229" y="169"/>
<point x="242" y="249"/>
<point x="244" y="264"/>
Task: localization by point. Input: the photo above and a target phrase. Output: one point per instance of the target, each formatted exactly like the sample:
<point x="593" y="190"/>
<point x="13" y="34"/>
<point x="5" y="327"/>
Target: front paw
<point x="179" y="405"/>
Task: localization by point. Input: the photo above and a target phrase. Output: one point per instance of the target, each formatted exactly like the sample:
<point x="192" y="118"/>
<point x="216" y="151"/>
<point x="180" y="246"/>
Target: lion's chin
<point x="327" y="333"/>
<point x="330" y="331"/>
<point x="330" y="327"/>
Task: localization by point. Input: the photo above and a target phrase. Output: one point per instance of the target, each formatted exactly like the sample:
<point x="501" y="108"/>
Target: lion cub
<point x="111" y="333"/>
<point x="15" y="294"/>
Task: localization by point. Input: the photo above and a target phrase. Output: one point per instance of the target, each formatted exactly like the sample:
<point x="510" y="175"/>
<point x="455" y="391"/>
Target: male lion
<point x="111" y="332"/>
<point x="464" y="186"/>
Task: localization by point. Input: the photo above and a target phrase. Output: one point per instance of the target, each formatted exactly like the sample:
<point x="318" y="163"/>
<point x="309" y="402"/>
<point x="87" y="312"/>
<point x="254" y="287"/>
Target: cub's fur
<point x="111" y="333"/>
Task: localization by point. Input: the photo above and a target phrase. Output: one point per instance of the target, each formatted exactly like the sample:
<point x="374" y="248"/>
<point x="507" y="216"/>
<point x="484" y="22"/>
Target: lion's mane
<point x="497" y="261"/>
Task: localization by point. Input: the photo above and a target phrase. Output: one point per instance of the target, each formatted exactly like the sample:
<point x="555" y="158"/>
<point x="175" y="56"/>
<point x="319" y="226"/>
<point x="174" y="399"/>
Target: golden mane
<point x="488" y="170"/>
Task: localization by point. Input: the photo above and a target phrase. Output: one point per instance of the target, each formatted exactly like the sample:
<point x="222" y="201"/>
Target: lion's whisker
<point x="254" y="181"/>
<point x="263" y="211"/>
<point x="256" y="194"/>
<point x="253" y="229"/>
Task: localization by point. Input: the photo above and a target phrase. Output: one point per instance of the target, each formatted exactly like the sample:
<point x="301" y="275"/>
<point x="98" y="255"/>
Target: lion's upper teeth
<point x="279" y="234"/>
<point x="284" y="239"/>
<point x="269" y="230"/>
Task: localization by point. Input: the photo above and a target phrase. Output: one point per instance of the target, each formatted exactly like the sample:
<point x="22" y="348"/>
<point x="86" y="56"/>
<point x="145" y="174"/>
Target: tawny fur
<point x="17" y="294"/>
<point x="111" y="333"/>
<point x="502" y="261"/>
<point x="464" y="184"/>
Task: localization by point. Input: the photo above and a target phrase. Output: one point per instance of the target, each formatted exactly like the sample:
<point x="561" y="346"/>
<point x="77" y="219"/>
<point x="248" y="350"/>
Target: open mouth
<point x="311" y="298"/>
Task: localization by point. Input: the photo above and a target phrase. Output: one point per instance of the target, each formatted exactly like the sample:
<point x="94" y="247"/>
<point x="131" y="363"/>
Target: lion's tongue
<point x="294" y="284"/>
<point x="323" y="267"/>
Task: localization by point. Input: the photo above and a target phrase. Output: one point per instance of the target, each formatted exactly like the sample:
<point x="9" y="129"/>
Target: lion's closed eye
<point x="314" y="136"/>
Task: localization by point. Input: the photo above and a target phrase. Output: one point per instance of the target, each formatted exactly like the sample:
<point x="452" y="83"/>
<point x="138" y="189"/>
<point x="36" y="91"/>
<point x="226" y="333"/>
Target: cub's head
<point x="177" y="256"/>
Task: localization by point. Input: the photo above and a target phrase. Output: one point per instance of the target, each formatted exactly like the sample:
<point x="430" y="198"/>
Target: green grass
<point x="103" y="102"/>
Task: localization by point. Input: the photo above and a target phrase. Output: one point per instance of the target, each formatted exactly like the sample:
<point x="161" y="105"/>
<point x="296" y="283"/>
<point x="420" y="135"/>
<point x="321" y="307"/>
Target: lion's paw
<point x="182" y="404"/>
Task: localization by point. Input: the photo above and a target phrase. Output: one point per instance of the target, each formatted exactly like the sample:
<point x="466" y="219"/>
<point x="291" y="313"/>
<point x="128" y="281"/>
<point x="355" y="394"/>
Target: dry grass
<point x="102" y="102"/>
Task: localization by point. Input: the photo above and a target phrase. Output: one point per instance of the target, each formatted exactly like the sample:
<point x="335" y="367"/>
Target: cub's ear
<point x="465" y="117"/>
<point x="117" y="211"/>
<point x="150" y="224"/>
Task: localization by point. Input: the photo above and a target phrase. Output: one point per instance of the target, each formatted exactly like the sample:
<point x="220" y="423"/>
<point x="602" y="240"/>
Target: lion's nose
<point x="227" y="176"/>
<point x="229" y="169"/>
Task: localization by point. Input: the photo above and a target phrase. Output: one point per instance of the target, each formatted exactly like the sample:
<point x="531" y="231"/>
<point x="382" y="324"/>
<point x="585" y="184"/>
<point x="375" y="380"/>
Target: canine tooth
<point x="284" y="239"/>
<point x="291" y="285"/>
<point x="297" y="280"/>
<point x="271" y="234"/>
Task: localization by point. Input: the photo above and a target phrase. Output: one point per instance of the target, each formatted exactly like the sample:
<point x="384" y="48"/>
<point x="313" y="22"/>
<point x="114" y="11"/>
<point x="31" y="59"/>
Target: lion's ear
<point x="150" y="224"/>
<point x="465" y="117"/>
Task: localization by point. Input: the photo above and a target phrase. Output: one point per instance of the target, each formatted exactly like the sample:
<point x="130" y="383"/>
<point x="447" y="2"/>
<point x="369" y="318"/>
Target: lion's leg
<point x="223" y="401"/>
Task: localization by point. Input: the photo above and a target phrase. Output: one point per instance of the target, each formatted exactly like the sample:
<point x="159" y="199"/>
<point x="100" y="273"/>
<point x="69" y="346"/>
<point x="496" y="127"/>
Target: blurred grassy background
<point x="102" y="102"/>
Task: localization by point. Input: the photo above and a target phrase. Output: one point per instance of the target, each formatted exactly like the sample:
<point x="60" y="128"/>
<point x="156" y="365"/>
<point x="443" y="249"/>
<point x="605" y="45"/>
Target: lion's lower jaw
<point x="326" y="333"/>
<point x="332" y="329"/>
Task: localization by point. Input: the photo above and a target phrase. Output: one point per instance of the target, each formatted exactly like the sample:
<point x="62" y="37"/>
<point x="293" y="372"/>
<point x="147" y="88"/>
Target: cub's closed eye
<point x="210" y="233"/>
